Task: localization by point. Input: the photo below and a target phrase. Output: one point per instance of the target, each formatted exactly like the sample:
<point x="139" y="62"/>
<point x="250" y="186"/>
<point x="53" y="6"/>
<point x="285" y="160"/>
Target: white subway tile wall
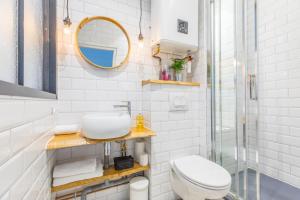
<point x="83" y="88"/>
<point x="25" y="165"/>
<point x="279" y="82"/>
<point x="179" y="133"/>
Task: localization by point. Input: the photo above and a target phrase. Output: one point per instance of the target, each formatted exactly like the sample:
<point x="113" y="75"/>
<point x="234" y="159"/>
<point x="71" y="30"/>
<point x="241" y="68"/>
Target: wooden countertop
<point x="109" y="174"/>
<point x="145" y="82"/>
<point x="73" y="140"/>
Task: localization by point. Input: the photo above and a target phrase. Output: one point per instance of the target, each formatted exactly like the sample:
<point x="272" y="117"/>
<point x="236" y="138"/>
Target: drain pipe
<point x="105" y="185"/>
<point x="107" y="148"/>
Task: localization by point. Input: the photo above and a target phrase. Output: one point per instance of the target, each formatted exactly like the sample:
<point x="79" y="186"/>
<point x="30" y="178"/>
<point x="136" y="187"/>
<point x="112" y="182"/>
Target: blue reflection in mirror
<point x="98" y="56"/>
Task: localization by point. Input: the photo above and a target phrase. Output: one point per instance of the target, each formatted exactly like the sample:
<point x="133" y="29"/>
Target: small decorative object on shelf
<point x="123" y="162"/>
<point x="178" y="67"/>
<point x="188" y="67"/>
<point x="165" y="73"/>
<point x="144" y="159"/>
<point x="139" y="122"/>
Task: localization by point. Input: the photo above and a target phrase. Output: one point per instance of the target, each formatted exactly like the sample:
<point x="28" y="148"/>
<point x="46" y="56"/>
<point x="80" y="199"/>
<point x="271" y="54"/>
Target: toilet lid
<point x="202" y="172"/>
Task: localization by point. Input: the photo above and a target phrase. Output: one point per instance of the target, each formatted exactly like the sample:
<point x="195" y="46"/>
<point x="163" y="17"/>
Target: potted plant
<point x="178" y="66"/>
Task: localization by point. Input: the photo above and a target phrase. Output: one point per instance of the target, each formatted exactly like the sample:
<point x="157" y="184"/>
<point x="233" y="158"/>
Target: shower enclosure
<point x="254" y="84"/>
<point x="232" y="69"/>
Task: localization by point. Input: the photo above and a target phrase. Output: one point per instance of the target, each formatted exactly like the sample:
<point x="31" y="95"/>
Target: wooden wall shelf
<point x="73" y="140"/>
<point x="146" y="82"/>
<point x="109" y="174"/>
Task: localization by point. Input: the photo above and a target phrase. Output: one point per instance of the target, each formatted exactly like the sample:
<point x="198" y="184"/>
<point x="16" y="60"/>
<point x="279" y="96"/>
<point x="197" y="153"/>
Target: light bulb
<point x="67" y="25"/>
<point x="141" y="41"/>
<point x="67" y="29"/>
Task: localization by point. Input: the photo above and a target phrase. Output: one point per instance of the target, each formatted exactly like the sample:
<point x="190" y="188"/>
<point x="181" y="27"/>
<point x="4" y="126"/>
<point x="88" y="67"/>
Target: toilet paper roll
<point x="144" y="159"/>
<point x="139" y="150"/>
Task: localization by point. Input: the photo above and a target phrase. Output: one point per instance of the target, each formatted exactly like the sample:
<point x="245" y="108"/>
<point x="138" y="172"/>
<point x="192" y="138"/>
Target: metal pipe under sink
<point x="102" y="186"/>
<point x="107" y="150"/>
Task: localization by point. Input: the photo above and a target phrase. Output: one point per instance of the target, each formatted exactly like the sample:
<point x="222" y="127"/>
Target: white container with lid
<point x="139" y="188"/>
<point x="139" y="149"/>
<point x="144" y="159"/>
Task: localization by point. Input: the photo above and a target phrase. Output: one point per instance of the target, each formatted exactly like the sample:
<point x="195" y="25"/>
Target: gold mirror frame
<point x="87" y="20"/>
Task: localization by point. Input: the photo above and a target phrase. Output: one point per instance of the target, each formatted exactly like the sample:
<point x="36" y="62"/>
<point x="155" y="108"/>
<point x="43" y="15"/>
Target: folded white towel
<point x="75" y="168"/>
<point x="98" y="172"/>
<point x="66" y="129"/>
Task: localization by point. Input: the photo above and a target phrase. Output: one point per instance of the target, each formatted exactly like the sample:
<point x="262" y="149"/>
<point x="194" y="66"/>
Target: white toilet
<point x="196" y="178"/>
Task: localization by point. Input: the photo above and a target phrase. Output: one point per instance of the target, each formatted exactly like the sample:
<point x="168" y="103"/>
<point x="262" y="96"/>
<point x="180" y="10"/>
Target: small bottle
<point x="168" y="76"/>
<point x="139" y="121"/>
<point x="161" y="74"/>
<point x="165" y="73"/>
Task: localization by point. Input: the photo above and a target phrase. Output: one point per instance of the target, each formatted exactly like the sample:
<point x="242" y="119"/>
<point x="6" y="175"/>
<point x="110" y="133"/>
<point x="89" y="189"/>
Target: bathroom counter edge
<point x="76" y="139"/>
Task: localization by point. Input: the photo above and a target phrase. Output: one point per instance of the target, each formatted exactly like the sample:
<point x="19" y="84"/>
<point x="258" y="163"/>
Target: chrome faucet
<point x="128" y="106"/>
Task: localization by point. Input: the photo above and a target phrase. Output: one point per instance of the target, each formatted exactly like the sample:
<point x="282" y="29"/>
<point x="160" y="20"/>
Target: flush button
<point x="178" y="102"/>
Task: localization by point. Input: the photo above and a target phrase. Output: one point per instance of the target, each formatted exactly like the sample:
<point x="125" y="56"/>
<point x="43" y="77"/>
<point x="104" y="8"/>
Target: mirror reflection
<point x="103" y="42"/>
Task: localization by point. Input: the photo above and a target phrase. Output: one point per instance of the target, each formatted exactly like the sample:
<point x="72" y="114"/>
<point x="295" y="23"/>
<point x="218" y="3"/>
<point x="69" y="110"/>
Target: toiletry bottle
<point x="168" y="76"/>
<point x="161" y="73"/>
<point x="139" y="121"/>
<point x="167" y="73"/>
<point x="164" y="73"/>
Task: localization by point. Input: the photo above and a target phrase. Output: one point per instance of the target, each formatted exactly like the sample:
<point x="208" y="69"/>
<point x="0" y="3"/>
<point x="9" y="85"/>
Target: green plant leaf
<point x="178" y="64"/>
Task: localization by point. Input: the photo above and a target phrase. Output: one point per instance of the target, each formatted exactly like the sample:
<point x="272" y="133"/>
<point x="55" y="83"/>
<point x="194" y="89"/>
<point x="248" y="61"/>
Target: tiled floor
<point x="270" y="188"/>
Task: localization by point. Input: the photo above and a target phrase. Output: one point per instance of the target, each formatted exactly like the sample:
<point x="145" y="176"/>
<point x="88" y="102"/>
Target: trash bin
<point x="139" y="188"/>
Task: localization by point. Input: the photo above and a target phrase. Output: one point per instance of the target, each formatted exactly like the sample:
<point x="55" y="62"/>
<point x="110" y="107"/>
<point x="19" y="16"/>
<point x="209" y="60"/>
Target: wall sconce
<point x="67" y="21"/>
<point x="141" y="37"/>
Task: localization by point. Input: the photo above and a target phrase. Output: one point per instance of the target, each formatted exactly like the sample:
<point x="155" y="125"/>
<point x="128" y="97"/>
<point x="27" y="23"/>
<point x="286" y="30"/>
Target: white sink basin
<point x="105" y="125"/>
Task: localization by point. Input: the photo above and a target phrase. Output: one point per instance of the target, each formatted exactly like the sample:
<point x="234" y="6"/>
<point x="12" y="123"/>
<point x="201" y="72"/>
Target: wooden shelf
<point x="146" y="82"/>
<point x="73" y="140"/>
<point x="109" y="174"/>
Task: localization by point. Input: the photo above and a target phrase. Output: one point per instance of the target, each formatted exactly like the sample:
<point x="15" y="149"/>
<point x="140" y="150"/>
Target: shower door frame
<point x="211" y="100"/>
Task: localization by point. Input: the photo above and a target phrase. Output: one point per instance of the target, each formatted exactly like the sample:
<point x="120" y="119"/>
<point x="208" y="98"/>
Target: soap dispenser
<point x="139" y="121"/>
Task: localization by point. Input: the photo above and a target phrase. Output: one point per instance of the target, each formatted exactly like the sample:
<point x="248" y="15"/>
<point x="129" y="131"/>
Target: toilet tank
<point x="174" y="25"/>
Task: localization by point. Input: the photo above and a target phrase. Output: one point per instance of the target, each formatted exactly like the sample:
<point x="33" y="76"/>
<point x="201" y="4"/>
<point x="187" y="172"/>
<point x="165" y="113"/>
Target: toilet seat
<point x="202" y="172"/>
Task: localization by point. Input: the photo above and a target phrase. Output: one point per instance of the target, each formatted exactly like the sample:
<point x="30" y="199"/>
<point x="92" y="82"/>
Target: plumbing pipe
<point x="102" y="186"/>
<point x="107" y="149"/>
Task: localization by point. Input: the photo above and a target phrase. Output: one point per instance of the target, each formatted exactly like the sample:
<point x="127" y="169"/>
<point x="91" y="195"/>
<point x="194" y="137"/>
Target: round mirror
<point x="102" y="42"/>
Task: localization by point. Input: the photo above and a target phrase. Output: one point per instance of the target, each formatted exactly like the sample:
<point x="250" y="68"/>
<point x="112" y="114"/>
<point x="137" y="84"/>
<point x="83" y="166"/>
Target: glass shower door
<point x="230" y="89"/>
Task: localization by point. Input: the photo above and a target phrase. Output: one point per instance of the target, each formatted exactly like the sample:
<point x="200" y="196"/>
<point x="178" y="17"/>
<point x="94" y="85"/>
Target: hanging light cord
<point x="67" y="20"/>
<point x="68" y="9"/>
<point x="141" y="15"/>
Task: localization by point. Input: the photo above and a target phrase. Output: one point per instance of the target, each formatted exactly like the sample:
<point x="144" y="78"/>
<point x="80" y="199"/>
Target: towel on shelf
<point x="66" y="129"/>
<point x="73" y="168"/>
<point x="96" y="173"/>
